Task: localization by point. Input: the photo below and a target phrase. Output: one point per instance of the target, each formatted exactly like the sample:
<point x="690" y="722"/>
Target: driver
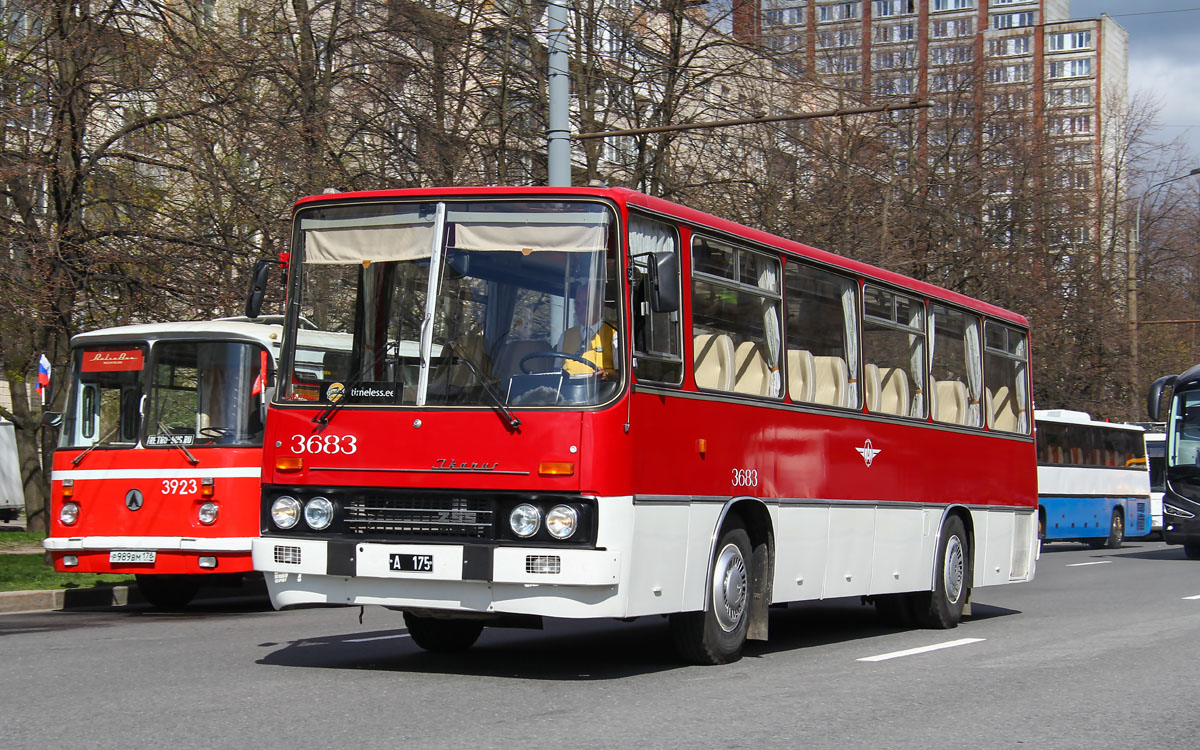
<point x="590" y="338"/>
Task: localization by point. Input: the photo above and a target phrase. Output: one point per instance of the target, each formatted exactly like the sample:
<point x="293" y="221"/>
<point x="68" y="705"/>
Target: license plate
<point x="131" y="556"/>
<point x="412" y="563"/>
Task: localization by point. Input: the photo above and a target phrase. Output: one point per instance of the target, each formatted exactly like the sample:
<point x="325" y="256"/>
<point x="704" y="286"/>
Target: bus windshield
<point x="207" y="393"/>
<point x="104" y="405"/>
<point x="455" y="304"/>
<point x="1184" y="431"/>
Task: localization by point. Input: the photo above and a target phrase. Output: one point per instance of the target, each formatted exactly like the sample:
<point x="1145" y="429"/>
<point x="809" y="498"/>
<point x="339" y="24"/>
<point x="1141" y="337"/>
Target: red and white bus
<point x="158" y="469"/>
<point x="588" y="402"/>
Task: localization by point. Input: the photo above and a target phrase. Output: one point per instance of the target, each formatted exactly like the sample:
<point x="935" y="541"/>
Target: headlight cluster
<point x="561" y="521"/>
<point x="287" y="510"/>
<point x="207" y="514"/>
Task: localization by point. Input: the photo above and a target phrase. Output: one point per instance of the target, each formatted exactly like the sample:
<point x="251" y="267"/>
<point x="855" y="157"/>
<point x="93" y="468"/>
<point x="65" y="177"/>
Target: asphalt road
<point x="1100" y="651"/>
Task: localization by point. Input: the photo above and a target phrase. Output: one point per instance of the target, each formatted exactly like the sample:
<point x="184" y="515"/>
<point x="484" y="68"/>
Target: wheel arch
<point x="963" y="513"/>
<point x="755" y="517"/>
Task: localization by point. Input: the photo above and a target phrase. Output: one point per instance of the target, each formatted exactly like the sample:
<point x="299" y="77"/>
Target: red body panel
<point x="170" y="488"/>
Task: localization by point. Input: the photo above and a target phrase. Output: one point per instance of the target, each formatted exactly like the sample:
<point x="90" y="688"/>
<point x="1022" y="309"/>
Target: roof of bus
<point x="692" y="216"/>
<point x="1080" y="417"/>
<point x="266" y="330"/>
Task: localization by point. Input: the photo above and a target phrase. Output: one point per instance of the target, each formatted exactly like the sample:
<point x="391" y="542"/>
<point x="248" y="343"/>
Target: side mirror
<point x="664" y="282"/>
<point x="1154" y="398"/>
<point x="52" y="418"/>
<point x="258" y="287"/>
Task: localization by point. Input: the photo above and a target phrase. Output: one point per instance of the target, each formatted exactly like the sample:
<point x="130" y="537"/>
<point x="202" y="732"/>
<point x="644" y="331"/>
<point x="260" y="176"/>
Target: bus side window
<point x="657" y="339"/>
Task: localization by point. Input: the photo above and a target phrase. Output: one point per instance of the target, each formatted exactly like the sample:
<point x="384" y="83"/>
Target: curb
<point x="114" y="596"/>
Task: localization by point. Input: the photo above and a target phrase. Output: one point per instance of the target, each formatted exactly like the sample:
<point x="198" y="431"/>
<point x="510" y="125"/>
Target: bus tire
<point x="168" y="591"/>
<point x="1116" y="533"/>
<point x="942" y="608"/>
<point x="442" y="635"/>
<point x="1192" y="551"/>
<point x="716" y="635"/>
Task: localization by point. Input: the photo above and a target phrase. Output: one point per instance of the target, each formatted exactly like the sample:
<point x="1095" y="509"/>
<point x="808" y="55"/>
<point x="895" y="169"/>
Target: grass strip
<point x="31" y="573"/>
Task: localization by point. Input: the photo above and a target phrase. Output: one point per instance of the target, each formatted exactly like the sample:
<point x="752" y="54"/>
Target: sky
<point x="1164" y="59"/>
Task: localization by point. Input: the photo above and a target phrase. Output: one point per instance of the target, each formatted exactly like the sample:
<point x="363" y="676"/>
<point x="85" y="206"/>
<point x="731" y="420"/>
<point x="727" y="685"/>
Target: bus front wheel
<point x="716" y="635"/>
<point x="442" y="635"/>
<point x="942" y="608"/>
<point x="168" y="591"/>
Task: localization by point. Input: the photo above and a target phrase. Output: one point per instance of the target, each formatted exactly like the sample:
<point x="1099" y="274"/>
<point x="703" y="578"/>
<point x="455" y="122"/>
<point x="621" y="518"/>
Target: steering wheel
<point x="555" y="355"/>
<point x="214" y="433"/>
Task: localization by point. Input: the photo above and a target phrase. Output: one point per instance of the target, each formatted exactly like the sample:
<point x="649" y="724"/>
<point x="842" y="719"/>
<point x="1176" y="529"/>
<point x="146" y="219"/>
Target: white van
<point x="12" y="499"/>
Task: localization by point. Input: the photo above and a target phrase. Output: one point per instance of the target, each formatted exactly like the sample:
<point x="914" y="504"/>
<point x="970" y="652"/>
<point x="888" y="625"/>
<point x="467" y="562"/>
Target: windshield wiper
<point x="171" y="439"/>
<point x="102" y="441"/>
<point x="326" y="415"/>
<point x="488" y="388"/>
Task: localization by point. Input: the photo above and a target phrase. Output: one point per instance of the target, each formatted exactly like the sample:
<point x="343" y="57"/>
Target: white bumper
<point x="556" y="582"/>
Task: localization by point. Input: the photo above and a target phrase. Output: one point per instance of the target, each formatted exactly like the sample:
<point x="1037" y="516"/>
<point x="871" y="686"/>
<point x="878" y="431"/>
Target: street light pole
<point x="1135" y="251"/>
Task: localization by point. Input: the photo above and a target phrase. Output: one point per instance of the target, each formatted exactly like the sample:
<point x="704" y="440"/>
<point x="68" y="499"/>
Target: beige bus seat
<point x="951" y="402"/>
<point x="1002" y="407"/>
<point x="871" y="386"/>
<point x="800" y="375"/>
<point x="712" y="355"/>
<point x="752" y="374"/>
<point x="831" y="381"/>
<point x="895" y="394"/>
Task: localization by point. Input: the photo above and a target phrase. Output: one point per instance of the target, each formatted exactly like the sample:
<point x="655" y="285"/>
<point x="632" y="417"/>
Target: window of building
<point x="886" y="8"/>
<point x="1012" y="20"/>
<point x="1013" y="45"/>
<point x="837" y="12"/>
<point x="1070" y="40"/>
<point x="1076" y="68"/>
<point x="939" y="5"/>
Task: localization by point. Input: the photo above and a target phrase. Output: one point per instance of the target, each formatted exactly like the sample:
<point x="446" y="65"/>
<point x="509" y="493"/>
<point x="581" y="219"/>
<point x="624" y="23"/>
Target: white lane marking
<point x="922" y="649"/>
<point x="1191" y="598"/>
<point x="1098" y="562"/>
<point x="399" y="635"/>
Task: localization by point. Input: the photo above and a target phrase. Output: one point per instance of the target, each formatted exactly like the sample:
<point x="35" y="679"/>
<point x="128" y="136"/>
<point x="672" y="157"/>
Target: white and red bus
<point x="588" y="402"/>
<point x="158" y="468"/>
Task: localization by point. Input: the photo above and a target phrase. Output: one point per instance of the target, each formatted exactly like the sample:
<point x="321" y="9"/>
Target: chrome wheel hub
<point x="730" y="585"/>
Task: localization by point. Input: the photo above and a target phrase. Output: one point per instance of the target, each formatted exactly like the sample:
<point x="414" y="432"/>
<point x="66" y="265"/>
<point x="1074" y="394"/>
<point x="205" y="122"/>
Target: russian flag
<point x="43" y="382"/>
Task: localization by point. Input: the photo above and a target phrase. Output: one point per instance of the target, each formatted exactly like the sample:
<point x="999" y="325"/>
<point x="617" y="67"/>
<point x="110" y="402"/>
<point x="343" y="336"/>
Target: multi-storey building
<point x="1012" y="67"/>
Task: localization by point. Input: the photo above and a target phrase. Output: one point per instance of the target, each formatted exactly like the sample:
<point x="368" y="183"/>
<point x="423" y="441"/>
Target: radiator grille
<point x="287" y="554"/>
<point x="417" y="516"/>
<point x="1141" y="517"/>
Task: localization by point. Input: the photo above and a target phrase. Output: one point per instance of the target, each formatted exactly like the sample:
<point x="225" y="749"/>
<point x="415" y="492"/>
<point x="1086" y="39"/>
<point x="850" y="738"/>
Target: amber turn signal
<point x="556" y="468"/>
<point x="289" y="463"/>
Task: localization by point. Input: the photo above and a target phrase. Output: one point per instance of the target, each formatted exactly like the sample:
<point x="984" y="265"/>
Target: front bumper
<point x="462" y="577"/>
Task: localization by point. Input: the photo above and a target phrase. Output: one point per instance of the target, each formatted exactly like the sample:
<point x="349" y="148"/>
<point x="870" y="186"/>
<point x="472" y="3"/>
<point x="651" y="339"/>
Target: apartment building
<point x="1013" y="65"/>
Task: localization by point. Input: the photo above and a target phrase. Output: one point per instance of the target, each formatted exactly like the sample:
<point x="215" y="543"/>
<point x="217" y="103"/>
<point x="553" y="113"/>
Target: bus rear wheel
<point x="168" y="591"/>
<point x="942" y="608"/>
<point x="716" y="635"/>
<point x="1116" y="533"/>
<point x="442" y="635"/>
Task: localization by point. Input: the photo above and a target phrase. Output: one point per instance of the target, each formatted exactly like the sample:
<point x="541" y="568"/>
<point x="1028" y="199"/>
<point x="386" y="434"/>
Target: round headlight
<point x="207" y="514"/>
<point x="285" y="511"/>
<point x="561" y="521"/>
<point x="318" y="513"/>
<point x="69" y="513"/>
<point x="525" y="520"/>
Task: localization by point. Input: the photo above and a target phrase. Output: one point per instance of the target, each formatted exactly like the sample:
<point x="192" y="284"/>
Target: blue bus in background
<point x="1093" y="480"/>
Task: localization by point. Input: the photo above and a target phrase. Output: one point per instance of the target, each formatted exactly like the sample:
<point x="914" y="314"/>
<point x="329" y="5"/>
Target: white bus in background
<point x="1156" y="456"/>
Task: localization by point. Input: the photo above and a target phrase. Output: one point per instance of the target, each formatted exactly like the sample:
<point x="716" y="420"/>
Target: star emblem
<point x="868" y="452"/>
